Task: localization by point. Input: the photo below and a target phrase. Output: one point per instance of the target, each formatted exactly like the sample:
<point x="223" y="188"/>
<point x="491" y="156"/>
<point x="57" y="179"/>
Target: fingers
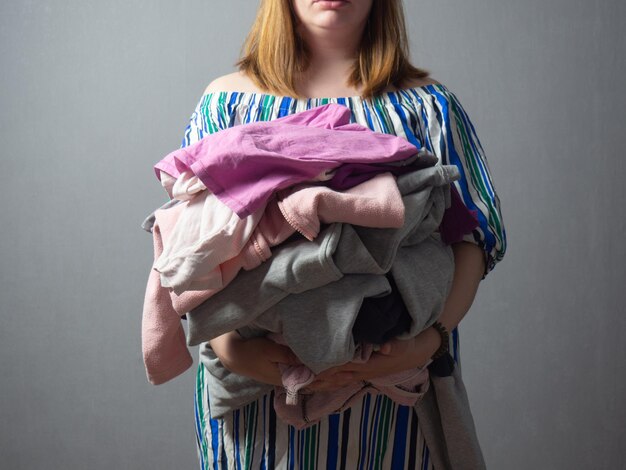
<point x="334" y="372"/>
<point x="396" y="347"/>
<point x="268" y="373"/>
<point x="326" y="374"/>
<point x="386" y="349"/>
<point x="335" y="382"/>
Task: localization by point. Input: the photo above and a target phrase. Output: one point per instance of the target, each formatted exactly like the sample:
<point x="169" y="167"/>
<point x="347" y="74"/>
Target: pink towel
<point x="163" y="343"/>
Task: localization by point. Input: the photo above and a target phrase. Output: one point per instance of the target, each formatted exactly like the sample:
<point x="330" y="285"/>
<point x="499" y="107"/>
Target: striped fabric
<point x="430" y="116"/>
<point x="376" y="433"/>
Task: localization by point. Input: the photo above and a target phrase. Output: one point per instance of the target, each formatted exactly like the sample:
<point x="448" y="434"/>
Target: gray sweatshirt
<point x="311" y="291"/>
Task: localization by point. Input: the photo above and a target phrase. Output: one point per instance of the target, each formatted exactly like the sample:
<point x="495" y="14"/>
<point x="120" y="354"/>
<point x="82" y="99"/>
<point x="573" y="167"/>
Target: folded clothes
<point x="332" y="274"/>
<point x="206" y="234"/>
<point x="376" y="202"/>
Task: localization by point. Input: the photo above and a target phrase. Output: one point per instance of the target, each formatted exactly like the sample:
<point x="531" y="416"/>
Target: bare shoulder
<point x="413" y="83"/>
<point x="236" y="81"/>
<point x="419" y="82"/>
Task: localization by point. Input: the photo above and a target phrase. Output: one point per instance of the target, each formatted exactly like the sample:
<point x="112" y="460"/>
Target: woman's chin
<point x="332" y="4"/>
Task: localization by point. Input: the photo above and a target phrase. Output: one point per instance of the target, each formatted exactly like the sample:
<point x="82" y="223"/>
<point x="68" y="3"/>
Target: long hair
<point x="274" y="54"/>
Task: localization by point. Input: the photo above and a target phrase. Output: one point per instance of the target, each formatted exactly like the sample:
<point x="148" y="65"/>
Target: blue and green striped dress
<point x="375" y="433"/>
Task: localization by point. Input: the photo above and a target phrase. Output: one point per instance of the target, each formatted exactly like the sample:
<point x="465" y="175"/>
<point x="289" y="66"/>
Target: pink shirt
<point x="244" y="165"/>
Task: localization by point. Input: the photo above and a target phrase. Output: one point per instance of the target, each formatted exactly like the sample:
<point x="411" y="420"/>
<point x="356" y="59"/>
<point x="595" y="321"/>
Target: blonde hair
<point x="274" y="54"/>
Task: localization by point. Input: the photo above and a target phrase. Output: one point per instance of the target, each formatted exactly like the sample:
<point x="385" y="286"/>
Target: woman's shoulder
<point x="236" y="81"/>
<point x="416" y="83"/>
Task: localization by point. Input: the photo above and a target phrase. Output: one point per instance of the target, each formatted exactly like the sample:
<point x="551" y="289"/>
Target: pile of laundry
<point x="318" y="233"/>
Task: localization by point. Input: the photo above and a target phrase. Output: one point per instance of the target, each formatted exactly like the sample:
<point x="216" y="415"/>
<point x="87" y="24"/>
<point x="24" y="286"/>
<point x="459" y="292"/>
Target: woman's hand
<point x="256" y="358"/>
<point x="394" y="356"/>
<point x="397" y="355"/>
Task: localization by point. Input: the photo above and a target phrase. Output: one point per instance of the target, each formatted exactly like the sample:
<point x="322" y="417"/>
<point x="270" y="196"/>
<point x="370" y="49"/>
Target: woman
<point x="300" y="54"/>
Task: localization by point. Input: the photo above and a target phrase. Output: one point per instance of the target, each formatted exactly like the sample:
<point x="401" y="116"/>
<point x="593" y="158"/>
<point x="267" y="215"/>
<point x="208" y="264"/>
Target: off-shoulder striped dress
<point x="375" y="433"/>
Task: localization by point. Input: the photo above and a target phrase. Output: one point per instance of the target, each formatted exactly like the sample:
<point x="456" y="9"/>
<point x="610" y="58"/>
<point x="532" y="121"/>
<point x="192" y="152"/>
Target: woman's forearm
<point x="400" y="355"/>
<point x="469" y="265"/>
<point x="252" y="360"/>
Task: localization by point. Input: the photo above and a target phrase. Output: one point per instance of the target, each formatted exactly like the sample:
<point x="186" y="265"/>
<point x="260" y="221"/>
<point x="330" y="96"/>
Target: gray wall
<point x="92" y="93"/>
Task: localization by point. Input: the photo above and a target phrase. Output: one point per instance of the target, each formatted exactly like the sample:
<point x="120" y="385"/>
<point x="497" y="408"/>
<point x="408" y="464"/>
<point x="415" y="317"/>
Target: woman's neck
<point x="332" y="56"/>
<point x="332" y="45"/>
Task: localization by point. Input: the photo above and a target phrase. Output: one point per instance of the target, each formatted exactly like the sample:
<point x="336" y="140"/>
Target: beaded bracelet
<point x="444" y="347"/>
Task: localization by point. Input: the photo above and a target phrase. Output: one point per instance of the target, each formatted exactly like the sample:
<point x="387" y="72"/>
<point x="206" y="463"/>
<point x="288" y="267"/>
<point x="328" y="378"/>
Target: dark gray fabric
<point x="446" y="420"/>
<point x="227" y="390"/>
<point x="381" y="318"/>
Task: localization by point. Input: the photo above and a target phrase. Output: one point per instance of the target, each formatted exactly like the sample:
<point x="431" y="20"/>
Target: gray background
<point x="93" y="93"/>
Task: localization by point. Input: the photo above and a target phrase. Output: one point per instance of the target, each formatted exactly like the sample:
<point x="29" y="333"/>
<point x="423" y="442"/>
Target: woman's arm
<point x="399" y="355"/>
<point x="257" y="358"/>
<point x="469" y="265"/>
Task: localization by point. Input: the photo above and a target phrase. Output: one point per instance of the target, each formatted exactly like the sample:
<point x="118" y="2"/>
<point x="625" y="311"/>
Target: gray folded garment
<point x="311" y="291"/>
<point x="340" y="250"/>
<point x="228" y="391"/>
<point x="446" y="421"/>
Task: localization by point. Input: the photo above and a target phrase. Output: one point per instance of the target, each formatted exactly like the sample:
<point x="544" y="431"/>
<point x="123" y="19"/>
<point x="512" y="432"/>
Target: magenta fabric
<point x="457" y="220"/>
<point x="351" y="174"/>
<point x="244" y="165"/>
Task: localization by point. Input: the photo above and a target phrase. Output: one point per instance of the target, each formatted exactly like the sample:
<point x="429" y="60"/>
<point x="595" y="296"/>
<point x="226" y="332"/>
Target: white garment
<point x="167" y="181"/>
<point x="187" y="186"/>
<point x="206" y="234"/>
<point x="184" y="187"/>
